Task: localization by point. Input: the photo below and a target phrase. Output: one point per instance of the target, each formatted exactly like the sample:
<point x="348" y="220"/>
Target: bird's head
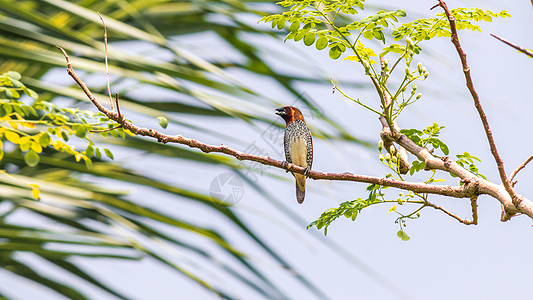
<point x="289" y="114"/>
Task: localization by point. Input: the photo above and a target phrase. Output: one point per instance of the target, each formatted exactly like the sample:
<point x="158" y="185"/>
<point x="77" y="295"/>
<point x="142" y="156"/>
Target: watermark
<point x="226" y="189"/>
<point x="252" y="169"/>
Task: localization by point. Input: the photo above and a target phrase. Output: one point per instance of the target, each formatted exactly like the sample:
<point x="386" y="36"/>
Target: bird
<point x="298" y="144"/>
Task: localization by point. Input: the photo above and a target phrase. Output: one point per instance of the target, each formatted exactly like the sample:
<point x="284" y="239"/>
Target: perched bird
<point x="298" y="145"/>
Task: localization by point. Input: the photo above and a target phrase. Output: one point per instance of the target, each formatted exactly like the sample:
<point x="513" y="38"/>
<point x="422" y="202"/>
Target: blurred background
<point x="169" y="222"/>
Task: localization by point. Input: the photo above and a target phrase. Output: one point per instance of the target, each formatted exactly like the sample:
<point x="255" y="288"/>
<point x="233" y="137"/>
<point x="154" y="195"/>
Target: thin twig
<point x="118" y="107"/>
<point x="520" y="167"/>
<point x="477" y="104"/>
<point x="104" y="130"/>
<point x="106" y="64"/>
<point x="521" y="49"/>
<point x="464" y="221"/>
<point x="336" y="88"/>
<point x="473" y="203"/>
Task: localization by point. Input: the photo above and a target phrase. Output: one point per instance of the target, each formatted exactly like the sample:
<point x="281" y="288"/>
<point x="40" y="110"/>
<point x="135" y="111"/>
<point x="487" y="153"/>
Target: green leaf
<point x="163" y="122"/>
<point x="301" y="33"/>
<point x="25" y="146"/>
<point x="281" y="24"/>
<point x="368" y="34"/>
<point x="88" y="162"/>
<point x="108" y="153"/>
<point x="401" y="234"/>
<point x="321" y="43"/>
<point x="121" y="132"/>
<point x="354" y="215"/>
<point x="378" y="34"/>
<point x="31" y="158"/>
<point x="335" y="52"/>
<point x="98" y="153"/>
<point x="309" y="38"/>
<point x="9" y="93"/>
<point x="31" y="93"/>
<point x="64" y="135"/>
<point x="113" y="132"/>
<point x="44" y="139"/>
<point x="274" y="23"/>
<point x="444" y="148"/>
<point x="89" y="151"/>
<point x="81" y="131"/>
<point x="294" y="26"/>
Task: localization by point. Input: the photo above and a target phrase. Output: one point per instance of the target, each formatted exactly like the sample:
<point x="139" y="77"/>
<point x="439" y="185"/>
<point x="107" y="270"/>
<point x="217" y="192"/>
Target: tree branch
<point x="521" y="49"/>
<point x="520" y="167"/>
<point x="473" y="203"/>
<point x="106" y="64"/>
<point x="464" y="221"/>
<point x="385" y="134"/>
<point x="477" y="103"/>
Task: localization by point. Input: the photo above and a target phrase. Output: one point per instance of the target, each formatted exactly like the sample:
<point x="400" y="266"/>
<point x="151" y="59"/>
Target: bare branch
<point x="520" y="167"/>
<point x="118" y="107"/>
<point x="464" y="221"/>
<point x="105" y="58"/>
<point x="521" y="49"/>
<point x="477" y="103"/>
<point x="473" y="203"/>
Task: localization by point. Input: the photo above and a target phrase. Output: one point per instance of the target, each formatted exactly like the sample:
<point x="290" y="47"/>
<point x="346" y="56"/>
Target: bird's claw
<point x="285" y="164"/>
<point x="306" y="172"/>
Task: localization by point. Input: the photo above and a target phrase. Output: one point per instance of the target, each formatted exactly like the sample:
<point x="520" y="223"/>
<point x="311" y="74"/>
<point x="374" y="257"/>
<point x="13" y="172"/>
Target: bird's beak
<point x="280" y="111"/>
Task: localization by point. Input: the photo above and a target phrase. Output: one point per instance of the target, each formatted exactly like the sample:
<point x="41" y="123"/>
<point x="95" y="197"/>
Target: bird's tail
<point x="300" y="188"/>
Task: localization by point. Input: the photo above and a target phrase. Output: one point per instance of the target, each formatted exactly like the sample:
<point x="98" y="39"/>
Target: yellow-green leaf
<point x="335" y="52"/>
<point x="295" y="26"/>
<point x="108" y="153"/>
<point x="36" y="147"/>
<point x="401" y="234"/>
<point x="12" y="137"/>
<point x="309" y="38"/>
<point x="44" y="139"/>
<point x="163" y="122"/>
<point x="321" y="43"/>
<point x="31" y="158"/>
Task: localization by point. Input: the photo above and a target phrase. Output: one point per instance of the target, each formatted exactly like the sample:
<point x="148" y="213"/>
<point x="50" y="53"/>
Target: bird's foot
<point x="285" y="164"/>
<point x="306" y="172"/>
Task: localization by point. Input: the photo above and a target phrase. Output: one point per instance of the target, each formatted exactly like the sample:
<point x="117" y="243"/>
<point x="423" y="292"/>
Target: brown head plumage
<point x="289" y="114"/>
